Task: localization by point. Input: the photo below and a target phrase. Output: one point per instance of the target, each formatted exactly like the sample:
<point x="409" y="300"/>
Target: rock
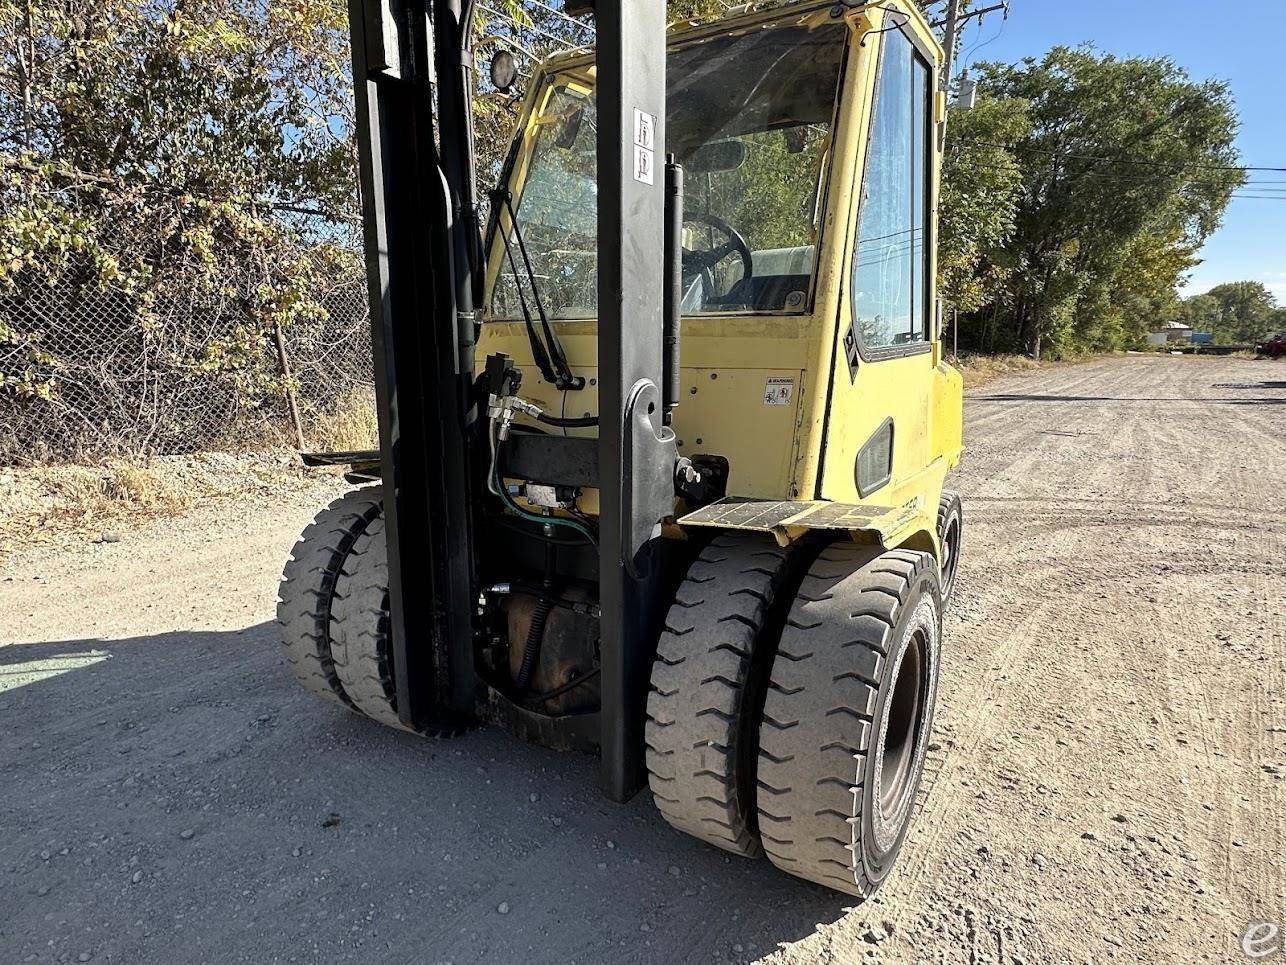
<point x="533" y="797"/>
<point x="1119" y="818"/>
<point x="1089" y="835"/>
<point x="674" y="870"/>
<point x="107" y="536"/>
<point x="84" y="957"/>
<point x="187" y="834"/>
<point x="136" y="877"/>
<point x="503" y="908"/>
<point x="297" y="852"/>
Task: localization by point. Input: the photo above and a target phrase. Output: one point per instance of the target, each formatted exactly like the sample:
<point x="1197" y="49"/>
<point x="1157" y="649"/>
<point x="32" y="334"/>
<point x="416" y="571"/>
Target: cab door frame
<point x="871" y="385"/>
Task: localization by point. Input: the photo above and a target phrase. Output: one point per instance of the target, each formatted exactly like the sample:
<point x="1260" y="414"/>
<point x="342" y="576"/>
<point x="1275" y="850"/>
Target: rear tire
<point x="359" y="634"/>
<point x="308" y="586"/>
<point x="707" y="689"/>
<point x="950" y="535"/>
<point x="847" y="716"/>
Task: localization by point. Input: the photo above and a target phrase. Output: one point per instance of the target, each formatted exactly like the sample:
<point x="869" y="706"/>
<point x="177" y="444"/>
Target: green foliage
<point x="981" y="180"/>
<point x="147" y="149"/>
<point x="1238" y="312"/>
<point x="1125" y="170"/>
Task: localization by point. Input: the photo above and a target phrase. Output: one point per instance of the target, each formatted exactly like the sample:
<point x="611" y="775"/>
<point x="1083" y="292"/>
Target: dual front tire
<point x="333" y="607"/>
<point x="814" y="750"/>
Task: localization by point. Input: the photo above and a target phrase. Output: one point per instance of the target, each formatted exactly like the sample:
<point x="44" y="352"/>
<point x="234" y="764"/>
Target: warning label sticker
<point x="779" y="391"/>
<point x="644" y="146"/>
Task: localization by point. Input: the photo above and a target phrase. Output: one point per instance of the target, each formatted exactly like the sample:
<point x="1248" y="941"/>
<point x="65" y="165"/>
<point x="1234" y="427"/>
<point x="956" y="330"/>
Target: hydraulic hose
<point x="535" y="635"/>
<point x="585" y="422"/>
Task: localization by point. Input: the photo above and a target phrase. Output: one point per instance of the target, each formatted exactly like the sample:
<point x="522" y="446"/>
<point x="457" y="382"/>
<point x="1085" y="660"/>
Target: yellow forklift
<point x="663" y="443"/>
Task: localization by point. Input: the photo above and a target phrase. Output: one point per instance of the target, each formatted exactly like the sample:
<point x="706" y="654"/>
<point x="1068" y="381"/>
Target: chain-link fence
<point x="88" y="370"/>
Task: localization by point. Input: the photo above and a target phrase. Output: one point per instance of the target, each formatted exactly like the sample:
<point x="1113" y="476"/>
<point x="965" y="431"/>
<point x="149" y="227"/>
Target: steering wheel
<point x="703" y="261"/>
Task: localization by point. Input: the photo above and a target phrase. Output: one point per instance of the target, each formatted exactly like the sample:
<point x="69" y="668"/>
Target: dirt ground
<point x="1108" y="783"/>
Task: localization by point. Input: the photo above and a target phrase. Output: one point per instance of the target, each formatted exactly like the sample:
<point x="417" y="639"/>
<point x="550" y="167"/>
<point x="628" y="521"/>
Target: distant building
<point x="1171" y="332"/>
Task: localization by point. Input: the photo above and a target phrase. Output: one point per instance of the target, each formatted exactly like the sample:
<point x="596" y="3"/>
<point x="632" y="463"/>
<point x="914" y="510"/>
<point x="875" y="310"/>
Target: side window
<point x="891" y="261"/>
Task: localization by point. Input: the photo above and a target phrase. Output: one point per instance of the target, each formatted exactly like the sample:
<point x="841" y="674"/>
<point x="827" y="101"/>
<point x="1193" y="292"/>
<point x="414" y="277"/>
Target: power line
<point x="1113" y="160"/>
<point x="1133" y="179"/>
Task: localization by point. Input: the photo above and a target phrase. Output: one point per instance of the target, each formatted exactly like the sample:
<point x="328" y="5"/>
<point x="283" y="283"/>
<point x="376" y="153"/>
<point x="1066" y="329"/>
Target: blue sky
<point x="1241" y="43"/>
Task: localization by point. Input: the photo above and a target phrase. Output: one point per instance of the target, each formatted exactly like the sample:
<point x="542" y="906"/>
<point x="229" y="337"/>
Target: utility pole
<point x="949" y="45"/>
<point x="949" y="42"/>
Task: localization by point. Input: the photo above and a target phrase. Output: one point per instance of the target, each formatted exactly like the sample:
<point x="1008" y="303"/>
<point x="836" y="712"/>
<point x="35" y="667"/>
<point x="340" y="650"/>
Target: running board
<point x="788" y="520"/>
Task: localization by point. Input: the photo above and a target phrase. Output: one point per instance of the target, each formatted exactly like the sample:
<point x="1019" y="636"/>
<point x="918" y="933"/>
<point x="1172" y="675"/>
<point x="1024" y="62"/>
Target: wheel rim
<point x="902" y="732"/>
<point x="950" y="555"/>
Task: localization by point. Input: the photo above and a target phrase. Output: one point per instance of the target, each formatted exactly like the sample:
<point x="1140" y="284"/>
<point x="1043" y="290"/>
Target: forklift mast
<point x="424" y="269"/>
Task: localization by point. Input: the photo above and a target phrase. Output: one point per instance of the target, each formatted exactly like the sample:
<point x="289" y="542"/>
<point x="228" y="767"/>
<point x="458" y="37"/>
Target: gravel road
<point x="1109" y="780"/>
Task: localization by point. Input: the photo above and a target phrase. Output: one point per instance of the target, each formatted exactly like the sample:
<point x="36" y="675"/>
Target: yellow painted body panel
<point x="805" y="450"/>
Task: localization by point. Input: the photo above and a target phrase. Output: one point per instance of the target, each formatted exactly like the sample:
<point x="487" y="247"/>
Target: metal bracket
<point x="647" y="482"/>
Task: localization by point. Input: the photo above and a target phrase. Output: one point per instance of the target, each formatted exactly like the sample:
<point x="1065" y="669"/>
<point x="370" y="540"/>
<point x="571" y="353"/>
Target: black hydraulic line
<point x="584" y="422"/>
<point x="673" y="291"/>
<point x="531" y="649"/>
<point x="534" y="534"/>
<point x="566" y="378"/>
<point x="570" y="685"/>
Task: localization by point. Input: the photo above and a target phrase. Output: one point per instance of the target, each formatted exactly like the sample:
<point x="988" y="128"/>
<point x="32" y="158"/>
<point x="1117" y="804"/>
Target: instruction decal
<point x="779" y="391"/>
<point x="644" y="147"/>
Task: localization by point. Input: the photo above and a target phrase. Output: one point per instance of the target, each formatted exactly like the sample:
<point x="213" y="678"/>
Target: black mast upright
<point x="419" y="278"/>
<point x="636" y="454"/>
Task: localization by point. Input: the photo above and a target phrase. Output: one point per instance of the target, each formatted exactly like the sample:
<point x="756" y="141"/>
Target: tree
<point x="1247" y="311"/>
<point x="1200" y="313"/>
<point x="981" y="181"/>
<point x="1122" y="157"/>
<point x="166" y="152"/>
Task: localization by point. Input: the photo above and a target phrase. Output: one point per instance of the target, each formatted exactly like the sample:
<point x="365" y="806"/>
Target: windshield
<point x="749" y="117"/>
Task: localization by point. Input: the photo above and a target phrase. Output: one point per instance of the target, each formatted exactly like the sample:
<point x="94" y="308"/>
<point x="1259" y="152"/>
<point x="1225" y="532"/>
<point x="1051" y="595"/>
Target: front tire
<point x="359" y="628"/>
<point x="307" y="588"/>
<point x="847" y="716"/>
<point x="707" y="688"/>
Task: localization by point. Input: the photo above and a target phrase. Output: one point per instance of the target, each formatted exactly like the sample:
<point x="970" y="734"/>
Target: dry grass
<point x="981" y="369"/>
<point x="64" y="504"/>
<point x="351" y="424"/>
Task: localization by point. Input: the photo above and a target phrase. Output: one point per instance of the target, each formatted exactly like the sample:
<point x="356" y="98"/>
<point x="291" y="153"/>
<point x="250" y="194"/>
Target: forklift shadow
<point x="213" y="727"/>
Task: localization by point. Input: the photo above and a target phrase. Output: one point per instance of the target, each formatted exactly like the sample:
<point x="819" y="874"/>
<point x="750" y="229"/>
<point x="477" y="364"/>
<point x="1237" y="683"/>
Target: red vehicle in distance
<point x="1274" y="346"/>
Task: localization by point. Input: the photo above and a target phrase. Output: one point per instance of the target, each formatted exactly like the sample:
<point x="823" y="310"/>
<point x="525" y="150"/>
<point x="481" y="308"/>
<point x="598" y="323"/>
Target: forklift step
<point x="308" y="586"/>
<point x="706" y="689"/>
